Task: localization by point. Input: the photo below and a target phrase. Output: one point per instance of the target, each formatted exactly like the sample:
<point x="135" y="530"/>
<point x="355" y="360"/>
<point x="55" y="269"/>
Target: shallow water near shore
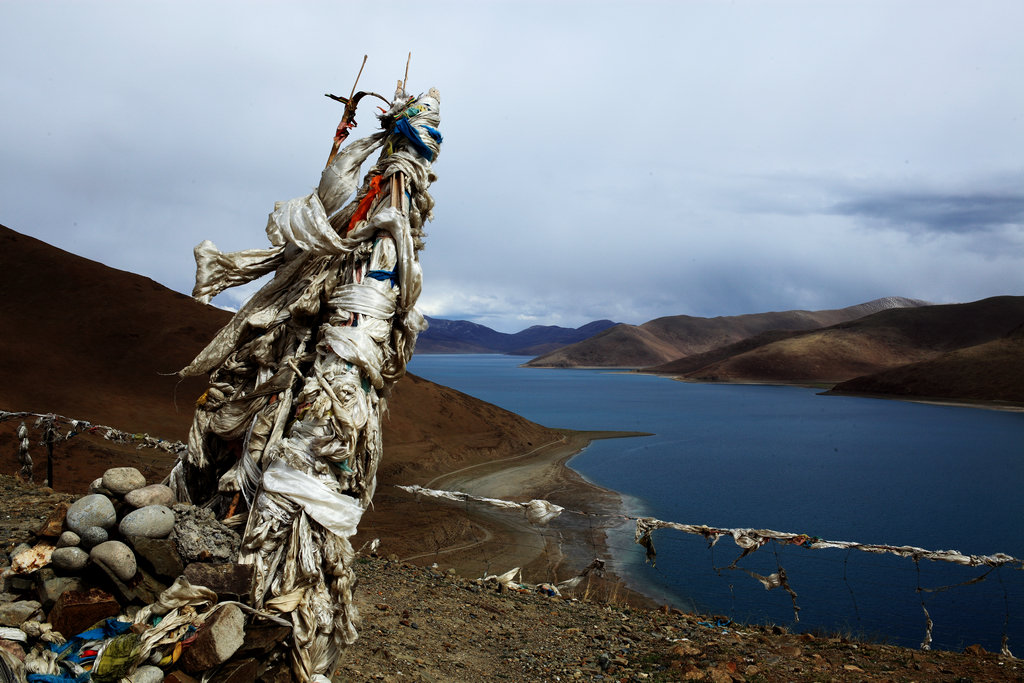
<point x="789" y="459"/>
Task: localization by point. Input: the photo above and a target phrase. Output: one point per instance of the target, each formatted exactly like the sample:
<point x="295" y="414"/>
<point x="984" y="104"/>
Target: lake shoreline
<point x="544" y="474"/>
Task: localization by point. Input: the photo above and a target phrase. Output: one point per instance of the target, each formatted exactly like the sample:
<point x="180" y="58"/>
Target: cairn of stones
<point x="107" y="559"/>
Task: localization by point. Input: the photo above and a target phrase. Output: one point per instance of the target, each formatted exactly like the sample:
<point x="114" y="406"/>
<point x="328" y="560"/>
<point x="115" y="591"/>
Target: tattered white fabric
<point x="538" y="512"/>
<point x="290" y="423"/>
<point x="335" y="511"/>
<point x="72" y="428"/>
<point x="752" y="539"/>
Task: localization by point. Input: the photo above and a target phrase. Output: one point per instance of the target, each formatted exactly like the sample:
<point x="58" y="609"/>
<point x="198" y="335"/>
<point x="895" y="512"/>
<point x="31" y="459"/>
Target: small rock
<point x="227" y="580"/>
<point x="18" y="612"/>
<point x="70" y="558"/>
<point x="68" y="539"/>
<point x="152" y="521"/>
<point x="32" y="559"/>
<point x="92" y="510"/>
<point x="154" y="494"/>
<point x="97" y="487"/>
<point x="18" y="549"/>
<point x="76" y="611"/>
<point x="685" y="649"/>
<point x="117" y="557"/>
<point x="54" y="524"/>
<point x="217" y="640"/>
<point x="50" y="587"/>
<point x="121" y="480"/>
<point x="93" y="536"/>
<point x="147" y="674"/>
<point x="160" y="553"/>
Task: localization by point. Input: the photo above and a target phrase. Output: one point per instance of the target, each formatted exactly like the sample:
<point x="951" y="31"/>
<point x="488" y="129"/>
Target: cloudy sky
<point x="601" y="160"/>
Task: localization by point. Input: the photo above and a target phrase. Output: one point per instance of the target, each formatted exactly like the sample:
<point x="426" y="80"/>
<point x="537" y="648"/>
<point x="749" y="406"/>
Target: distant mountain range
<point x="893" y="346"/>
<point x="462" y="336"/>
<point x="667" y="339"/>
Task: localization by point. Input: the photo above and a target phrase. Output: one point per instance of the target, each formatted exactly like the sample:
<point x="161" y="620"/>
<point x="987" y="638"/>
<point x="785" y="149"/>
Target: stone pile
<point x="107" y="568"/>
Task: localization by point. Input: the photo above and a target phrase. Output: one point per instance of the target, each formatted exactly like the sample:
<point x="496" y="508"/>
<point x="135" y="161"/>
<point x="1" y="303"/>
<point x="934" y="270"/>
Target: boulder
<point x="152" y="521"/>
<point x="89" y="511"/>
<point x="154" y="494"/>
<point x="159" y="553"/>
<point x="49" y="586"/>
<point x="69" y="558"/>
<point x="68" y="539"/>
<point x="217" y="639"/>
<point x="76" y="611"/>
<point x="228" y="580"/>
<point x="121" y="480"/>
<point x="117" y="557"/>
<point x="93" y="536"/>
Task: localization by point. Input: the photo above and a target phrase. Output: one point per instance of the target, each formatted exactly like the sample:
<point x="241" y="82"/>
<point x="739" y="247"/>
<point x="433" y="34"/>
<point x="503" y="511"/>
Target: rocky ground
<point x="430" y="624"/>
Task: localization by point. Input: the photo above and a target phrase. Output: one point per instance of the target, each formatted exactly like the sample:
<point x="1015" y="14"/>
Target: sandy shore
<point x="498" y="540"/>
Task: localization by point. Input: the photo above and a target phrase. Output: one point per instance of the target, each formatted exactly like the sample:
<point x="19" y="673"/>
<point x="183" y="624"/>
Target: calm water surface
<point x="786" y="458"/>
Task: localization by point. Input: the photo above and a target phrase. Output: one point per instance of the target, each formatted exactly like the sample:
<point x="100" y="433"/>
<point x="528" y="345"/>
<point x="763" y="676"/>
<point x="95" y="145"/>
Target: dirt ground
<point x="431" y="623"/>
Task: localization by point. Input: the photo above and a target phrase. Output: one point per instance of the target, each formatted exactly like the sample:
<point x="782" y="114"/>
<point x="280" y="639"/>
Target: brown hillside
<point x="877" y="342"/>
<point x="687" y="364"/>
<point x="90" y="342"/>
<point x="993" y="371"/>
<point x="667" y="339"/>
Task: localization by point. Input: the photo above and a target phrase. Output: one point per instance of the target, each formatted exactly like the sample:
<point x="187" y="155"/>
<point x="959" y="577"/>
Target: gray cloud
<point x="695" y="158"/>
<point x="955" y="213"/>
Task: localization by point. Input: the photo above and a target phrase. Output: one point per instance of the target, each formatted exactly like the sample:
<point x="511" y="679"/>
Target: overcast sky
<point x="601" y="160"/>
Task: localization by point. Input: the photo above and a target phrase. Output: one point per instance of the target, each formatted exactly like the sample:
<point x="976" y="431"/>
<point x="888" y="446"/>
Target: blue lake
<point x="789" y="459"/>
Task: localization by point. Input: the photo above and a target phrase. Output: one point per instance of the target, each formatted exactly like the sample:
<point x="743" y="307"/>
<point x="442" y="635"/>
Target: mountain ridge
<point x="880" y="344"/>
<point x="669" y="338"/>
<point x="463" y="336"/>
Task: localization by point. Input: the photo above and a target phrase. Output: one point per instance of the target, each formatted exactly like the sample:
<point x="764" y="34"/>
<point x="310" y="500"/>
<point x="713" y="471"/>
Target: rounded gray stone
<point x="92" y="510"/>
<point x="68" y="539"/>
<point x="154" y="494"/>
<point x="97" y="487"/>
<point x="69" y="558"/>
<point x="148" y="674"/>
<point x="152" y="521"/>
<point x="121" y="480"/>
<point x="94" y="535"/>
<point x="117" y="557"/>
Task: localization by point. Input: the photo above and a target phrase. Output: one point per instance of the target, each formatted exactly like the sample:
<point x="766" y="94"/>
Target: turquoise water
<point x="789" y="459"/>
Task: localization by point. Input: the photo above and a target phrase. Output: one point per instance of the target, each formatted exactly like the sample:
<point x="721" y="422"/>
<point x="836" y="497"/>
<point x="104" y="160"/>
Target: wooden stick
<point x="353" y="91"/>
<point x="406" y="79"/>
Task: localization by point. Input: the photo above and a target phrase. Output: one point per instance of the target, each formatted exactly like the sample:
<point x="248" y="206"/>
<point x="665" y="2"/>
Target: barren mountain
<point x="991" y="371"/>
<point x="91" y="342"/>
<point x="875" y="343"/>
<point x="462" y="336"/>
<point x="666" y="339"/>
